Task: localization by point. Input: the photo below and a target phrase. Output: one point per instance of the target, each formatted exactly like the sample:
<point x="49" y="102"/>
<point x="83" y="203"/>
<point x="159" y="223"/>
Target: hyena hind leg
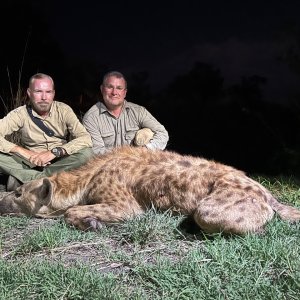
<point x="93" y="217"/>
<point x="240" y="215"/>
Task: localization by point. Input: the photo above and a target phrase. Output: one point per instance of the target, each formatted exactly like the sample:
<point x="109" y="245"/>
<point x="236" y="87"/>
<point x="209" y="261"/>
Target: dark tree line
<point x="233" y="125"/>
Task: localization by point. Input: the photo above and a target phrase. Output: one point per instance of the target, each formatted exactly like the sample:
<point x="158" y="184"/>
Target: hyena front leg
<point x="94" y="216"/>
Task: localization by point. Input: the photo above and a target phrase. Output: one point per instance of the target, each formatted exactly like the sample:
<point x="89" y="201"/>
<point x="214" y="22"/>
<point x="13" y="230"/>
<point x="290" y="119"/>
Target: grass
<point x="150" y="258"/>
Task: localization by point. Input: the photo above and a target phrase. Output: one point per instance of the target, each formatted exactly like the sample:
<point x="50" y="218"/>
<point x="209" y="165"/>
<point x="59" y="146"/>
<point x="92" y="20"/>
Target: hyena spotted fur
<point x="127" y="181"/>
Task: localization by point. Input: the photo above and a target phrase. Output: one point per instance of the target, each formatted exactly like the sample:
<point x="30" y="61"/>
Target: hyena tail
<point x="285" y="212"/>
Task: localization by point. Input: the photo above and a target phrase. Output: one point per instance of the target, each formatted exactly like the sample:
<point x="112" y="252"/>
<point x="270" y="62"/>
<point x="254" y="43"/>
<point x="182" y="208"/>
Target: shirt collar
<point x="103" y="108"/>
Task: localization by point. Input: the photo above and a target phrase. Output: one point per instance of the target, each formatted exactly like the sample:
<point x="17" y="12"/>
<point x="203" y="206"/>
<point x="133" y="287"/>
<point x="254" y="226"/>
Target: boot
<point x="3" y="181"/>
<point x="12" y="183"/>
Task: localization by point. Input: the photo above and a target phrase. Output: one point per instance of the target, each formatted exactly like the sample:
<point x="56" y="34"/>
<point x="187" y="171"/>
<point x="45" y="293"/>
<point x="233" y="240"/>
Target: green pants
<point x="17" y="167"/>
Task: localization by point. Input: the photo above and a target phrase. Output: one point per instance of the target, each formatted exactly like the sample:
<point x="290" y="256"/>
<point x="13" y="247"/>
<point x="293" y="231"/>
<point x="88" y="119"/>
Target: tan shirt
<point x="108" y="132"/>
<point x="61" y="119"/>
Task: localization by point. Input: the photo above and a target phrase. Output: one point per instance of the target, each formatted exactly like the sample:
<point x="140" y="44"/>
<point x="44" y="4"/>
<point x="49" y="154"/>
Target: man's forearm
<point x="21" y="152"/>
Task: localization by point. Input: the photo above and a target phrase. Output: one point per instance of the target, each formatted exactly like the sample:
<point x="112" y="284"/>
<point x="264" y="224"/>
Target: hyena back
<point x="127" y="181"/>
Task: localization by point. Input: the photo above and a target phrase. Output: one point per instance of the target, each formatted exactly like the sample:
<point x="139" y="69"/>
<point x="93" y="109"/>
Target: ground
<point x="106" y="251"/>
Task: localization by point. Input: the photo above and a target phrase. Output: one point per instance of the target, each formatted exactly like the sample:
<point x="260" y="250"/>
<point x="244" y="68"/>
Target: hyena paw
<point x="143" y="137"/>
<point x="92" y="223"/>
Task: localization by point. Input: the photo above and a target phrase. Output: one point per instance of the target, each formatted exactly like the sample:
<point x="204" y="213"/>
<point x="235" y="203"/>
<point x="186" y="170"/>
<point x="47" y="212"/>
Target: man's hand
<point x="42" y="159"/>
<point x="143" y="137"/>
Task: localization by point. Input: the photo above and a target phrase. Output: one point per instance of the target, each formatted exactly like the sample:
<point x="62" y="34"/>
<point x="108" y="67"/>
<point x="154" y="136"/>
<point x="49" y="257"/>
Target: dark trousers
<point x="20" y="169"/>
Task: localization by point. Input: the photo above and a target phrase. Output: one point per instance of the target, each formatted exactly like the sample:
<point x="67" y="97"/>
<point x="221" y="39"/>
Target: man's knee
<point x="69" y="162"/>
<point x="81" y="157"/>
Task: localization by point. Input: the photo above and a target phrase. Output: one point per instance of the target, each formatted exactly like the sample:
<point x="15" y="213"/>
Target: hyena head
<point x="28" y="198"/>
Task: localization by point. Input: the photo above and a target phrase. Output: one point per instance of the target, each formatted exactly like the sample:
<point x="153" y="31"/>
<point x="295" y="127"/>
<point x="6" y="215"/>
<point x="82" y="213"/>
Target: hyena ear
<point x="45" y="192"/>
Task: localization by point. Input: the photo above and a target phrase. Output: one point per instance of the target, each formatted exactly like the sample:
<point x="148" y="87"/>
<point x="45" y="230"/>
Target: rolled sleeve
<point x="12" y="122"/>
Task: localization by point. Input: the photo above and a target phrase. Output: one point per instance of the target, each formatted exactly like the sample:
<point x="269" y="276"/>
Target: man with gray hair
<point x="52" y="139"/>
<point x="113" y="121"/>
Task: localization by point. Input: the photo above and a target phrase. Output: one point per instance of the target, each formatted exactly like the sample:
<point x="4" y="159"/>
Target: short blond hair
<point x="40" y="76"/>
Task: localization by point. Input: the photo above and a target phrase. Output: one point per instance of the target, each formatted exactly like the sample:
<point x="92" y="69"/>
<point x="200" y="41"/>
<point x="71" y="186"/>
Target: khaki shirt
<point x="61" y="119"/>
<point x="108" y="132"/>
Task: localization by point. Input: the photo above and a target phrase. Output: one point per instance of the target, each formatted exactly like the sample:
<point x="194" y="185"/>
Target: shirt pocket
<point x="108" y="138"/>
<point x="130" y="132"/>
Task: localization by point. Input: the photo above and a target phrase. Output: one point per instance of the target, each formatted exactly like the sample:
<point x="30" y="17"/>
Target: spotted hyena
<point x="127" y="181"/>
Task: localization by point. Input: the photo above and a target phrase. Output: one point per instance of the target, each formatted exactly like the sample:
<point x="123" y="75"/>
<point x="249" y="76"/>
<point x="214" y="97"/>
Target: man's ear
<point x="45" y="192"/>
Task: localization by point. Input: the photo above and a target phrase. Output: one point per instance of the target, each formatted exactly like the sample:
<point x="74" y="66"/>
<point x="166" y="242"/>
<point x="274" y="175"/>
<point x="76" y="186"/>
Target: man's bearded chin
<point x="43" y="107"/>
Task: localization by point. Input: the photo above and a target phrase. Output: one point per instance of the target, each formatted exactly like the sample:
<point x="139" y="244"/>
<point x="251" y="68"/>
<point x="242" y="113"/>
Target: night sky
<point x="165" y="38"/>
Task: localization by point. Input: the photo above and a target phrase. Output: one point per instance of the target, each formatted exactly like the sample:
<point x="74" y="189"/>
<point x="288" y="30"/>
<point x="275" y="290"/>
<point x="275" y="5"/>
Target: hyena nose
<point x="8" y="205"/>
<point x="18" y="193"/>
